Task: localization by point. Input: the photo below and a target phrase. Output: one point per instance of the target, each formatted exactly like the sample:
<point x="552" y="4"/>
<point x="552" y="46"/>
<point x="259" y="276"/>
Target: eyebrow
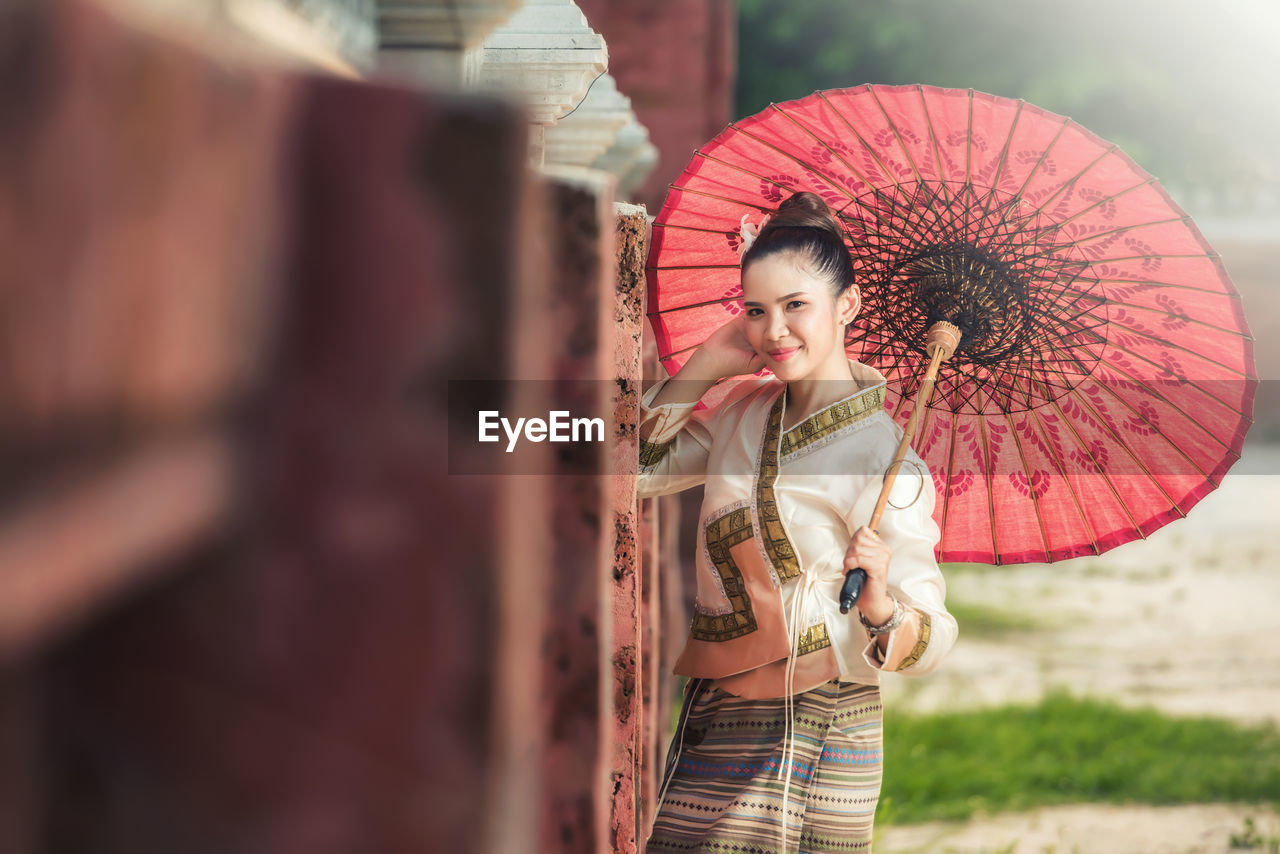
<point x="780" y="299"/>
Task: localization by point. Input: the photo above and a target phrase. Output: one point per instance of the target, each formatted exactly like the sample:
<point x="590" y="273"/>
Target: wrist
<point x="876" y="607"/>
<point x="884" y="627"/>
<point x="701" y="366"/>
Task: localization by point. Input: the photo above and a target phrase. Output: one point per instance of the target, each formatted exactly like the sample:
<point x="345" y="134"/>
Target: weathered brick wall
<point x="576" y="707"/>
<point x="650" y="600"/>
<point x="630" y="618"/>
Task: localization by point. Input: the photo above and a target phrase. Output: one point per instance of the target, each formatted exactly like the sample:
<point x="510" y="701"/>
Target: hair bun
<point x="806" y="210"/>
<point x="803" y="202"/>
<point x="803" y="223"/>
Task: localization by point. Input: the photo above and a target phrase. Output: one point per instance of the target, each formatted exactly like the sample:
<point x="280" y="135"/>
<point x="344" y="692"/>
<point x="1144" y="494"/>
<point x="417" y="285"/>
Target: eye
<point x="754" y="311"/>
<point x="795" y="303"/>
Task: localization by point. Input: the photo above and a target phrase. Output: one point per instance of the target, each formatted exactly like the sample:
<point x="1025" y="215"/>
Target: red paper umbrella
<point x="1104" y="379"/>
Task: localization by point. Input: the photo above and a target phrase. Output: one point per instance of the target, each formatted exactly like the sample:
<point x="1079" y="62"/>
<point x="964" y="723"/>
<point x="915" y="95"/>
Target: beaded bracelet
<point x="899" y="614"/>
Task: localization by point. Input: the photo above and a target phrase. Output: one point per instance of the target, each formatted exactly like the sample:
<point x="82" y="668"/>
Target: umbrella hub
<point x="960" y="284"/>
<point x="1006" y="274"/>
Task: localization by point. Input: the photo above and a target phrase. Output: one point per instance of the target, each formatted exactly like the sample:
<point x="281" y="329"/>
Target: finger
<point x="865" y="560"/>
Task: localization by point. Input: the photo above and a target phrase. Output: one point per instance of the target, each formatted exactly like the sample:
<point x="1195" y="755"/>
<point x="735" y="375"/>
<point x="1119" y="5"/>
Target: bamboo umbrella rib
<point x="933" y="136"/>
<point x="1186" y="413"/>
<point x="1172" y="346"/>
<point x="1100" y="202"/>
<point x="1082" y="401"/>
<point x="707" y="195"/>
<point x="1026" y="472"/>
<point x="694" y="228"/>
<point x="679" y="308"/>
<point x="827" y="146"/>
<point x="902" y="146"/>
<point x="985" y="446"/>
<point x="968" y="162"/>
<point x="1087" y="451"/>
<point x="1103" y="201"/>
<point x="1115" y="259"/>
<point x="926" y="416"/>
<point x="918" y="368"/>
<point x="802" y="164"/>
<point x="1162" y="341"/>
<point x="1056" y="225"/>
<point x="764" y="179"/>
<point x="1001" y="161"/>
<point x="1034" y="415"/>
<point x="1122" y="229"/>
<point x="968" y="144"/>
<point x="1148" y="284"/>
<point x="884" y="346"/>
<point x="1072" y="180"/>
<point x="1193" y="321"/>
<point x="866" y="148"/>
<point x="1155" y="429"/>
<point x="1043" y="156"/>
<point x="854" y="169"/>
<point x="951" y="461"/>
<point x="695" y="267"/>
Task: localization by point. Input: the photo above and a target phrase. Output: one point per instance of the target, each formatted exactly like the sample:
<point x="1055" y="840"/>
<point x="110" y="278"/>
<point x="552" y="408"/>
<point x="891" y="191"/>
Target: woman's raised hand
<point x="727" y="352"/>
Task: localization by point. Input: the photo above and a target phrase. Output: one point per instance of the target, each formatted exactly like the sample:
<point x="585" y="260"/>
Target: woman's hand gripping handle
<point x="866" y="584"/>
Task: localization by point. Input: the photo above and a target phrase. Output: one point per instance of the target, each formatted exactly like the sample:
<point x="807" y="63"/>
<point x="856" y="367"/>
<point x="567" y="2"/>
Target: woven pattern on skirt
<point x="723" y="790"/>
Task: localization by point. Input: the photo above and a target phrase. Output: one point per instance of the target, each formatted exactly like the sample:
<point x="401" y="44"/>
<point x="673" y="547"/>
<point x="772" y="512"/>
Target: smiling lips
<point x="783" y="354"/>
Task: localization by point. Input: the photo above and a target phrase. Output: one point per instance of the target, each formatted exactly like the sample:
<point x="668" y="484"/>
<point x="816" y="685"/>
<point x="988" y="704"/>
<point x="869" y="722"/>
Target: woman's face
<point x="794" y="321"/>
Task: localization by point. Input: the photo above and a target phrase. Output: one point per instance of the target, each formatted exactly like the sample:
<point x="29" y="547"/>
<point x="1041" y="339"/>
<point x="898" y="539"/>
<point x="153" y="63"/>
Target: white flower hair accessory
<point x="749" y="231"/>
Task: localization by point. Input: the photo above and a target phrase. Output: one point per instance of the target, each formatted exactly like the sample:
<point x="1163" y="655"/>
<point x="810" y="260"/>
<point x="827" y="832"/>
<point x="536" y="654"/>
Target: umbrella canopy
<point x="1104" y="381"/>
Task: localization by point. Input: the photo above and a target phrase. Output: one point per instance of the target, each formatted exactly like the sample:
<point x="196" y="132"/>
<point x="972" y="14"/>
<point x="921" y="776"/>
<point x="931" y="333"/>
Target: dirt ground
<point x="1187" y="621"/>
<point x="1088" y="829"/>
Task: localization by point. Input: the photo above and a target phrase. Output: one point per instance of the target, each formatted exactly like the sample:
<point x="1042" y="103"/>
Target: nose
<point x="777" y="327"/>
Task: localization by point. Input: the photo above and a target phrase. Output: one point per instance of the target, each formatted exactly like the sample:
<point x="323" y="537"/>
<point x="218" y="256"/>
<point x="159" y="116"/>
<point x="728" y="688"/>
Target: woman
<point x="782" y="711"/>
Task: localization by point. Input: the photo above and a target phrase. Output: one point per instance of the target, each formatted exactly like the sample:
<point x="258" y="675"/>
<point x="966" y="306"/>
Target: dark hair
<point x="803" y="224"/>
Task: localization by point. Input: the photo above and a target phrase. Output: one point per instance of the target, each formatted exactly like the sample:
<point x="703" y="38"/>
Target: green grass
<point x="1069" y="750"/>
<point x="983" y="621"/>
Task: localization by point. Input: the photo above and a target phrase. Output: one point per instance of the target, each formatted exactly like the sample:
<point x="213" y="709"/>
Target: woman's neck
<point x="818" y="391"/>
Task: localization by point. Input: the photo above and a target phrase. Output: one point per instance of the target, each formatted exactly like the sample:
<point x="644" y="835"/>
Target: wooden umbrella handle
<point x="942" y="340"/>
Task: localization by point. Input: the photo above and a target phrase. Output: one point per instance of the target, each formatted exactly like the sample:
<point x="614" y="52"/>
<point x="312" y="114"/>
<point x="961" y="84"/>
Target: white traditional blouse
<point x="778" y="513"/>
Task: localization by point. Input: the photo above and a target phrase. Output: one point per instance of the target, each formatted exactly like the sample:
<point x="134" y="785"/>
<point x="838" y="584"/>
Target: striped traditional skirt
<point x="723" y="792"/>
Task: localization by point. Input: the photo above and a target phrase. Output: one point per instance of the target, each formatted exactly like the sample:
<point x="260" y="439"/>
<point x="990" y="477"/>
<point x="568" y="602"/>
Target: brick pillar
<point x="666" y="588"/>
<point x="629" y="620"/>
<point x="576" y="646"/>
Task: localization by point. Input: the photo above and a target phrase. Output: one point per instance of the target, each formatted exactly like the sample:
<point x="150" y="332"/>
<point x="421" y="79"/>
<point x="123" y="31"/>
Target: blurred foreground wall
<point x="247" y="601"/>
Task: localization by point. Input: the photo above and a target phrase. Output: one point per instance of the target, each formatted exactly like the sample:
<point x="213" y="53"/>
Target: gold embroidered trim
<point x="652" y="452"/>
<point x="835" y="417"/>
<point x="814" y="639"/>
<point x="723" y="534"/>
<point x="926" y="628"/>
<point x="776" y="545"/>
